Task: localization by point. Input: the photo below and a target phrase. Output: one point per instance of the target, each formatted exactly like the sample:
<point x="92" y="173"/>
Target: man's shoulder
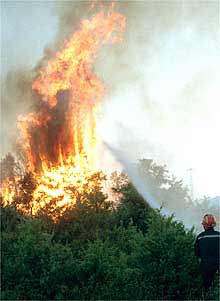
<point x="212" y="233"/>
<point x="200" y="234"/>
<point x="208" y="233"/>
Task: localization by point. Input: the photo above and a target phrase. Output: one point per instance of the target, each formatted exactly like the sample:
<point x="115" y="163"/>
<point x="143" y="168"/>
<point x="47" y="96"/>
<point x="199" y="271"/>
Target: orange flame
<point x="60" y="140"/>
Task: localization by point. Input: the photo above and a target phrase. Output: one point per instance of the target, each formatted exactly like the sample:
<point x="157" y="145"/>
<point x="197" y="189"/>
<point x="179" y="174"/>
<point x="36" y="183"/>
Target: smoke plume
<point x="162" y="85"/>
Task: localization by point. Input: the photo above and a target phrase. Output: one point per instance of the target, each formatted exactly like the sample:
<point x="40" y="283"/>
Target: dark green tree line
<point x="98" y="250"/>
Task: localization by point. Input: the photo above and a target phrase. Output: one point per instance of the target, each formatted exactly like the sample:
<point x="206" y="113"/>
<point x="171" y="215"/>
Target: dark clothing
<point x="207" y="248"/>
<point x="208" y="272"/>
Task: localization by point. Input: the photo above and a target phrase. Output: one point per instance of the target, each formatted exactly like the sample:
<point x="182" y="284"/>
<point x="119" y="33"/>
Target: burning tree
<point x="59" y="139"/>
<point x="9" y="175"/>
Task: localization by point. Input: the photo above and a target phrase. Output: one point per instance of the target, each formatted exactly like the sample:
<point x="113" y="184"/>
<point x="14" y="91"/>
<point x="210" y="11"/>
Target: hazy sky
<point x="27" y="26"/>
<point x="165" y="99"/>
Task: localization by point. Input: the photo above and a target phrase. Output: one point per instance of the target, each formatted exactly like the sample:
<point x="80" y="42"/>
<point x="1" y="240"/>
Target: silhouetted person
<point x="207" y="249"/>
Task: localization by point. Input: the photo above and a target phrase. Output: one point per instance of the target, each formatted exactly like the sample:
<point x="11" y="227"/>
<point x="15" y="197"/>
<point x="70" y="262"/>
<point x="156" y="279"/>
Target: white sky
<point x="179" y="126"/>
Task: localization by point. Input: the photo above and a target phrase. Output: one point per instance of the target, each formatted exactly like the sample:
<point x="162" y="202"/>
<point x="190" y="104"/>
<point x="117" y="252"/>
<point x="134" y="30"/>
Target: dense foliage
<point x="99" y="251"/>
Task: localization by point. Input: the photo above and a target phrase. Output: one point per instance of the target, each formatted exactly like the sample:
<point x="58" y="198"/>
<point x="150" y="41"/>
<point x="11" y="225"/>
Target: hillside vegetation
<point x="99" y="250"/>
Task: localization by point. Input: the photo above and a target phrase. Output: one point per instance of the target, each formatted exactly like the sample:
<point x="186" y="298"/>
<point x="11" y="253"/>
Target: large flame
<point x="59" y="139"/>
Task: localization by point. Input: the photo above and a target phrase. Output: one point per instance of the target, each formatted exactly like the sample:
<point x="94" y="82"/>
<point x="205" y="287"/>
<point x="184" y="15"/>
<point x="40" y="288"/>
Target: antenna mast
<point x="190" y="170"/>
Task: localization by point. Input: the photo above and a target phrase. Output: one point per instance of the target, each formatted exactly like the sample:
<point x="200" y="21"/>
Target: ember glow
<point x="59" y="140"/>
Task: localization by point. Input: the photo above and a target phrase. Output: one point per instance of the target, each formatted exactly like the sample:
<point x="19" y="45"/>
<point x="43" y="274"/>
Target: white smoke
<point x="163" y="84"/>
<point x="162" y="81"/>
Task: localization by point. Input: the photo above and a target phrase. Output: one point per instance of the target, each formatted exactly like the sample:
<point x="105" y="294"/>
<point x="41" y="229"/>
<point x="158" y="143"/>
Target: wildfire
<point x="59" y="140"/>
<point x="8" y="191"/>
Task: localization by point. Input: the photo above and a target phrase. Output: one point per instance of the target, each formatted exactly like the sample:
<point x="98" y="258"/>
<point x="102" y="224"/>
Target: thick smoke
<point x="158" y="82"/>
<point x="47" y="130"/>
<point x="16" y="99"/>
<point x="163" y="85"/>
<point x="17" y="96"/>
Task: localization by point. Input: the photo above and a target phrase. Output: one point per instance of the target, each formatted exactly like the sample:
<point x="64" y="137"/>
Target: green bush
<point x="98" y="252"/>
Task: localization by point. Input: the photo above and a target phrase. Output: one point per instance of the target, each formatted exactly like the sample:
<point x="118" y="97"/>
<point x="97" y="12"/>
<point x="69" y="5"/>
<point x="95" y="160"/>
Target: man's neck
<point x="209" y="229"/>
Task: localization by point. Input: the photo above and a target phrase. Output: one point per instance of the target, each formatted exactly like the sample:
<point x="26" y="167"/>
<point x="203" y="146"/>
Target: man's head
<point x="208" y="221"/>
